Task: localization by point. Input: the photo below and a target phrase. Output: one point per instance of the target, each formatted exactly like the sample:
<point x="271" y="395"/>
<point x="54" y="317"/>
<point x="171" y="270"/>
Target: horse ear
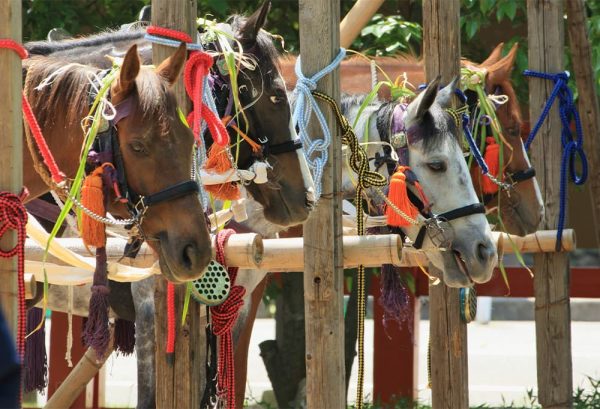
<point x="444" y="97"/>
<point x="129" y="71"/>
<point x="254" y="23"/>
<point x="494" y="56"/>
<point x="500" y="71"/>
<point x="427" y="98"/>
<point x="170" y="69"/>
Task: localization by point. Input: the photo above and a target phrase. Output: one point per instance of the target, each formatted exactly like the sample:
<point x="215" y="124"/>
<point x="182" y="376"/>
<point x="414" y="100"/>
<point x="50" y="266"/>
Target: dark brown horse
<point x="288" y="197"/>
<point x="522" y="206"/>
<point x="154" y="143"/>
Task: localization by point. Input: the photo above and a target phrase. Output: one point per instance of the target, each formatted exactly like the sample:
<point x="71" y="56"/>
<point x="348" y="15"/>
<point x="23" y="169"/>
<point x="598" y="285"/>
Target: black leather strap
<point x="172" y="192"/>
<point x="522" y="175"/>
<point x="287" y="146"/>
<point x="468" y="210"/>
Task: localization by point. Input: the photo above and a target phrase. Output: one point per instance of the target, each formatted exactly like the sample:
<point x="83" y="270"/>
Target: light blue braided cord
<point x="315" y="149"/>
<point x="572" y="147"/>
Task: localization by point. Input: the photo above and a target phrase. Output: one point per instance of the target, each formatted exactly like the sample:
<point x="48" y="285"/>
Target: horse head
<point x="156" y="150"/>
<point x="436" y="158"/>
<point x="521" y="206"/>
<point x="288" y="196"/>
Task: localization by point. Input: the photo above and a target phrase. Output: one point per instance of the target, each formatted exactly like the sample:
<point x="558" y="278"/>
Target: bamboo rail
<point x="250" y="251"/>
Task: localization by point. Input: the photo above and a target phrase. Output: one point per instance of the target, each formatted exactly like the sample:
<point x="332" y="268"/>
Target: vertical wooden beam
<point x="587" y="103"/>
<point x="182" y="383"/>
<point x="545" y="20"/>
<point x="11" y="153"/>
<point x="448" y="334"/>
<point x="323" y="277"/>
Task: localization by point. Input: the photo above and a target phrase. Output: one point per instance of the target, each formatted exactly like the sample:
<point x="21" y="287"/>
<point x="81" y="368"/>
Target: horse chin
<point x="456" y="274"/>
<point x="280" y="209"/>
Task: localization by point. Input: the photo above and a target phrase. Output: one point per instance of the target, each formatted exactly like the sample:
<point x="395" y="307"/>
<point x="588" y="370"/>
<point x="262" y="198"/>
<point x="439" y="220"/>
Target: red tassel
<point x="92" y="197"/>
<point x="492" y="159"/>
<point x="398" y="195"/>
<point x="218" y="161"/>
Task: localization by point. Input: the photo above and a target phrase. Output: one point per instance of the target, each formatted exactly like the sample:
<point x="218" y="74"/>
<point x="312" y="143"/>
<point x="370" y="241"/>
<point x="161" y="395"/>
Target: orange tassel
<point x="218" y="161"/>
<point x="398" y="195"/>
<point x="92" y="197"/>
<point x="492" y="159"/>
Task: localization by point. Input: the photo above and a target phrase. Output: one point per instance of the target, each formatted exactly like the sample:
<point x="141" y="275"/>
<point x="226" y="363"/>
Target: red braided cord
<point x="57" y="175"/>
<point x="169" y="33"/>
<point x="13" y="216"/>
<point x="196" y="68"/>
<point x="170" y="318"/>
<point x="224" y="317"/>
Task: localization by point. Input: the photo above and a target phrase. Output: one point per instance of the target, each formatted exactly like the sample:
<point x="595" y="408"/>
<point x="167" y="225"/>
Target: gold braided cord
<point x="359" y="163"/>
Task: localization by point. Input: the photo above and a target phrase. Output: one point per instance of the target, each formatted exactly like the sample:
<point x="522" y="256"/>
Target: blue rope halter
<point x="315" y="149"/>
<point x="572" y="147"/>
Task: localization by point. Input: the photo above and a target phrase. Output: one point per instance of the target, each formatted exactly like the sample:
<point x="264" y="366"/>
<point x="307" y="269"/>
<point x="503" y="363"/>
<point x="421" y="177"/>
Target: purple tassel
<point x="124" y="336"/>
<point x="394" y="297"/>
<point x="36" y="362"/>
<point x="96" y="333"/>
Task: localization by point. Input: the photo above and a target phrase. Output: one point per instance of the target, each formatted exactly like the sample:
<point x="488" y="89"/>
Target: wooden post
<point x="11" y="153"/>
<point x="448" y="334"/>
<point x="182" y="383"/>
<point x="587" y="103"/>
<point x="551" y="280"/>
<point x="323" y="277"/>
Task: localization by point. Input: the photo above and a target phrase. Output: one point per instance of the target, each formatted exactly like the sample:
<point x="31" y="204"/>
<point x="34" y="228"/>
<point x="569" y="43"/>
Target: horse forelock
<point x="154" y="98"/>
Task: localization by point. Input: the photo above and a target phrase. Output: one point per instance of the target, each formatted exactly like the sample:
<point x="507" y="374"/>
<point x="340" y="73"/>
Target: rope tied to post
<point x="224" y="317"/>
<point x="13" y="216"/>
<point x="572" y="145"/>
<point x="315" y="149"/>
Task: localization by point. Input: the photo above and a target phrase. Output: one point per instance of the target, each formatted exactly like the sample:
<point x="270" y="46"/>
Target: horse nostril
<point x="485" y="251"/>
<point x="188" y="255"/>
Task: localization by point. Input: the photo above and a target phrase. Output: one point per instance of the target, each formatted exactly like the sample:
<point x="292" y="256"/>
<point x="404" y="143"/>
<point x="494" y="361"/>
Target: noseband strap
<point x="172" y="192"/>
<point x="284" y="147"/>
<point x="522" y="175"/>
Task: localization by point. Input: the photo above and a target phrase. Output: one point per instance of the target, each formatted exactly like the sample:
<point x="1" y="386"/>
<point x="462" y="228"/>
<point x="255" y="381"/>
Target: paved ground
<point x="501" y="362"/>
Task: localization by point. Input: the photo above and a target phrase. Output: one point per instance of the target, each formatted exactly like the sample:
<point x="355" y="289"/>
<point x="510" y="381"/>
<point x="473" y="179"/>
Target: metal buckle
<point x="439" y="231"/>
<point x="140" y="209"/>
<point x="263" y="141"/>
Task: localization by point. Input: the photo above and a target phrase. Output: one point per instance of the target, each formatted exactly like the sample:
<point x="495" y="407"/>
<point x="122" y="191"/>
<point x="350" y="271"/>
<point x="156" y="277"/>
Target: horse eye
<point x="437" y="166"/>
<point x="137" y="147"/>
<point x="275" y="99"/>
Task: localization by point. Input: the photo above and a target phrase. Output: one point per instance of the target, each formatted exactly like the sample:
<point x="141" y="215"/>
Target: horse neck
<point x="63" y="135"/>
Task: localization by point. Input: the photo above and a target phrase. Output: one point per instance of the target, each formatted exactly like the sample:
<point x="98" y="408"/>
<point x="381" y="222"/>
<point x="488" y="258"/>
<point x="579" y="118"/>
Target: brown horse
<point x="521" y="206"/>
<point x="150" y="136"/>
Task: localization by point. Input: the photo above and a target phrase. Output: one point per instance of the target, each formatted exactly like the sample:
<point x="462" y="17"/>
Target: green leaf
<point x="471" y="28"/>
<point x="511" y="9"/>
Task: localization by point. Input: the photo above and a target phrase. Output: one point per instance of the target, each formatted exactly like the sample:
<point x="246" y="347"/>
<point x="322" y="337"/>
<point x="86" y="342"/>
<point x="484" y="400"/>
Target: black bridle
<point x="106" y="148"/>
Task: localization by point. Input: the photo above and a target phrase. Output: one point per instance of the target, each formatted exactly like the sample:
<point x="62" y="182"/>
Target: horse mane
<point x="94" y="40"/>
<point x="68" y="93"/>
<point x="67" y="96"/>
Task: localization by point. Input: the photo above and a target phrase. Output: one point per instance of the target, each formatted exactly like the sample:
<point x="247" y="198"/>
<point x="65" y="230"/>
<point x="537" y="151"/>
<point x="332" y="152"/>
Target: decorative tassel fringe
<point x="35" y="361"/>
<point x="492" y="159"/>
<point x="92" y="197"/>
<point x="398" y="195"/>
<point x="218" y="161"/>
<point x="124" y="340"/>
<point x="394" y="297"/>
<point x="96" y="333"/>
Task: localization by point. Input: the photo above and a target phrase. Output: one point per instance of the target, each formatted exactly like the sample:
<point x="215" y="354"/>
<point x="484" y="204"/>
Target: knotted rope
<point x="224" y="317"/>
<point x="366" y="178"/>
<point x="572" y="147"/>
<point x="13" y="216"/>
<point x="315" y="149"/>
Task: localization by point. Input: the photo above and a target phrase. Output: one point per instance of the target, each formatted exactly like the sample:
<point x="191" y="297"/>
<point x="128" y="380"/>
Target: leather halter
<point x="106" y="147"/>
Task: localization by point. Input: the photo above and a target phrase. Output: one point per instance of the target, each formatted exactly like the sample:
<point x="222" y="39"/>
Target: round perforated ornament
<point x="213" y="288"/>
